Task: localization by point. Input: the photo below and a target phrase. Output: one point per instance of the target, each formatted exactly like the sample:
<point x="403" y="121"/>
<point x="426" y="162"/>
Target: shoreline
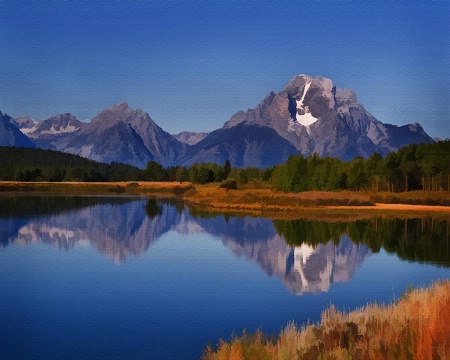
<point x="397" y="207"/>
<point x="259" y="202"/>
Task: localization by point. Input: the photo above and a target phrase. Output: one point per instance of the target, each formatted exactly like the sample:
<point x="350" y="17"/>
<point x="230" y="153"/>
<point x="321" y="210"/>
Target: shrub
<point x="230" y="184"/>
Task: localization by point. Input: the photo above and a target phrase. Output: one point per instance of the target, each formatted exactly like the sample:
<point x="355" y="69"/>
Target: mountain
<point x="244" y="145"/>
<point x="10" y="135"/>
<point x="56" y="125"/>
<point x="317" y="117"/>
<point x="117" y="134"/>
<point x="24" y="123"/>
<point x="310" y="115"/>
<point x="122" y="134"/>
<point x="55" y="132"/>
<point x="190" y="138"/>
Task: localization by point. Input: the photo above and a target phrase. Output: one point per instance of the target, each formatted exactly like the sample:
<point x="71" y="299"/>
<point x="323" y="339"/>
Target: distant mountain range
<point x="310" y="115"/>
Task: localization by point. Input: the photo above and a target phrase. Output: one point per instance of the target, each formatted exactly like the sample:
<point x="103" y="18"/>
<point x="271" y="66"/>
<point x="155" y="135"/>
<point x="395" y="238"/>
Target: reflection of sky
<point x="188" y="281"/>
<point x="186" y="288"/>
<point x="386" y="271"/>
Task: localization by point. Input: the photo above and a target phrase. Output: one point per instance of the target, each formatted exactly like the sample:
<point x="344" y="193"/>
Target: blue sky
<point x="191" y="65"/>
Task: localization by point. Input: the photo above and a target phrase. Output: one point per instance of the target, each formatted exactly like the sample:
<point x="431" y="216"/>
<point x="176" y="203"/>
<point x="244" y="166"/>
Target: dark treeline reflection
<point x="37" y="206"/>
<point x="418" y="239"/>
<point x="121" y="226"/>
<point x="152" y="208"/>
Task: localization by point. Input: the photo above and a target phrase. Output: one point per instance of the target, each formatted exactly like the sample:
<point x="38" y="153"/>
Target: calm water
<point x="123" y="278"/>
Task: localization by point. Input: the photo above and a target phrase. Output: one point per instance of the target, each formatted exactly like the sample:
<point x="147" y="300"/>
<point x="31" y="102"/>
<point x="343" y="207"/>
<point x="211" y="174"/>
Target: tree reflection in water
<point x="307" y="255"/>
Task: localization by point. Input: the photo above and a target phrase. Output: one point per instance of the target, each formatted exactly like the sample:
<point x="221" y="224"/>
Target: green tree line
<point x="414" y="167"/>
<point x="27" y="164"/>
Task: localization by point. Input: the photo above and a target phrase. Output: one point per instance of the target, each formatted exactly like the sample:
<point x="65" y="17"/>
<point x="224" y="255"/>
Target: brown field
<point x="416" y="327"/>
<point x="311" y="204"/>
<point x="401" y="207"/>
<point x="94" y="188"/>
<point x="438" y="198"/>
<point x="260" y="199"/>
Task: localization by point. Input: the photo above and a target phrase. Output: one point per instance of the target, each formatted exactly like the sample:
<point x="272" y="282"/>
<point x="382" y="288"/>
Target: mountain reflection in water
<point x="308" y="256"/>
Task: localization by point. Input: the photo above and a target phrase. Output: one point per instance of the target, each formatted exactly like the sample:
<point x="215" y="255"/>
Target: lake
<point x="137" y="278"/>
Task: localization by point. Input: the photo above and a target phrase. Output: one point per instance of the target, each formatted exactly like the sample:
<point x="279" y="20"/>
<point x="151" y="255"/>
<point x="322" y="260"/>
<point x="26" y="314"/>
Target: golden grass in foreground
<point x="416" y="327"/>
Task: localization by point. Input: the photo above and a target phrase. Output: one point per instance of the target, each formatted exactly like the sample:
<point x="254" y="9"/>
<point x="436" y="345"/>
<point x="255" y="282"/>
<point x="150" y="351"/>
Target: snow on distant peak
<point x="28" y="131"/>
<point x="306" y="119"/>
<point x="60" y="130"/>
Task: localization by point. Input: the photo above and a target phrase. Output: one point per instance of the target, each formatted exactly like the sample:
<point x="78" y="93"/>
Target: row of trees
<point x="27" y="164"/>
<point x="414" y="167"/>
<point x="198" y="173"/>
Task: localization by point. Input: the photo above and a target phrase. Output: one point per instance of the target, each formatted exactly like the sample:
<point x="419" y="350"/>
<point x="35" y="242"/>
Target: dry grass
<point x="440" y="198"/>
<point x="252" y="201"/>
<point x="93" y="188"/>
<point x="311" y="204"/>
<point x="416" y="327"/>
<point x="268" y="199"/>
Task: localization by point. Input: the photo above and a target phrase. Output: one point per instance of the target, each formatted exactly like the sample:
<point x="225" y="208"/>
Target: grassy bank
<point x="416" y="327"/>
<point x="271" y="203"/>
<point x="256" y="201"/>
<point x="432" y="198"/>
<point x="267" y="199"/>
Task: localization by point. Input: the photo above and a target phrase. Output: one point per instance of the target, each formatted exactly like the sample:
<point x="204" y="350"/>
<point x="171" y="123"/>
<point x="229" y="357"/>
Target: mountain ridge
<point x="309" y="115"/>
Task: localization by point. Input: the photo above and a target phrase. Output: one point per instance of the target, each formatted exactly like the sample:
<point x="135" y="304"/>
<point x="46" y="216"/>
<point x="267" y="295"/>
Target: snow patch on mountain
<point x="300" y="102"/>
<point x="28" y="131"/>
<point x="306" y="120"/>
<point x="303" y="116"/>
<point x="59" y="130"/>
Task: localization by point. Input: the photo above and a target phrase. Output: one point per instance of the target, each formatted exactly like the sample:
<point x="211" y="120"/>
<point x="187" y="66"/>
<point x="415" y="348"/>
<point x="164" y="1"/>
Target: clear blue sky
<point x="191" y="65"/>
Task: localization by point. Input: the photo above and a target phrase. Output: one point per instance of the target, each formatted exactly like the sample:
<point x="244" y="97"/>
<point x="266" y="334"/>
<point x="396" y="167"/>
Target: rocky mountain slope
<point x="10" y="134"/>
<point x="117" y="134"/>
<point x="310" y="115"/>
<point x="189" y="137"/>
<point x="122" y="134"/>
<point x="316" y="116"/>
<point x="244" y="145"/>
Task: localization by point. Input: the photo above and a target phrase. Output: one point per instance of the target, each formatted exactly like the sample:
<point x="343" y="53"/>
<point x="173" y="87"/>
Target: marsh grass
<point x="269" y="199"/>
<point x="416" y="327"/>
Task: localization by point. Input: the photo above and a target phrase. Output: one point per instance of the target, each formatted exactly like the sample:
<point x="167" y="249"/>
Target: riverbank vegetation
<point x="417" y="326"/>
<point x="416" y="174"/>
<point x="213" y="196"/>
<point x="265" y="200"/>
<point x="423" y="167"/>
<point x="139" y="188"/>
